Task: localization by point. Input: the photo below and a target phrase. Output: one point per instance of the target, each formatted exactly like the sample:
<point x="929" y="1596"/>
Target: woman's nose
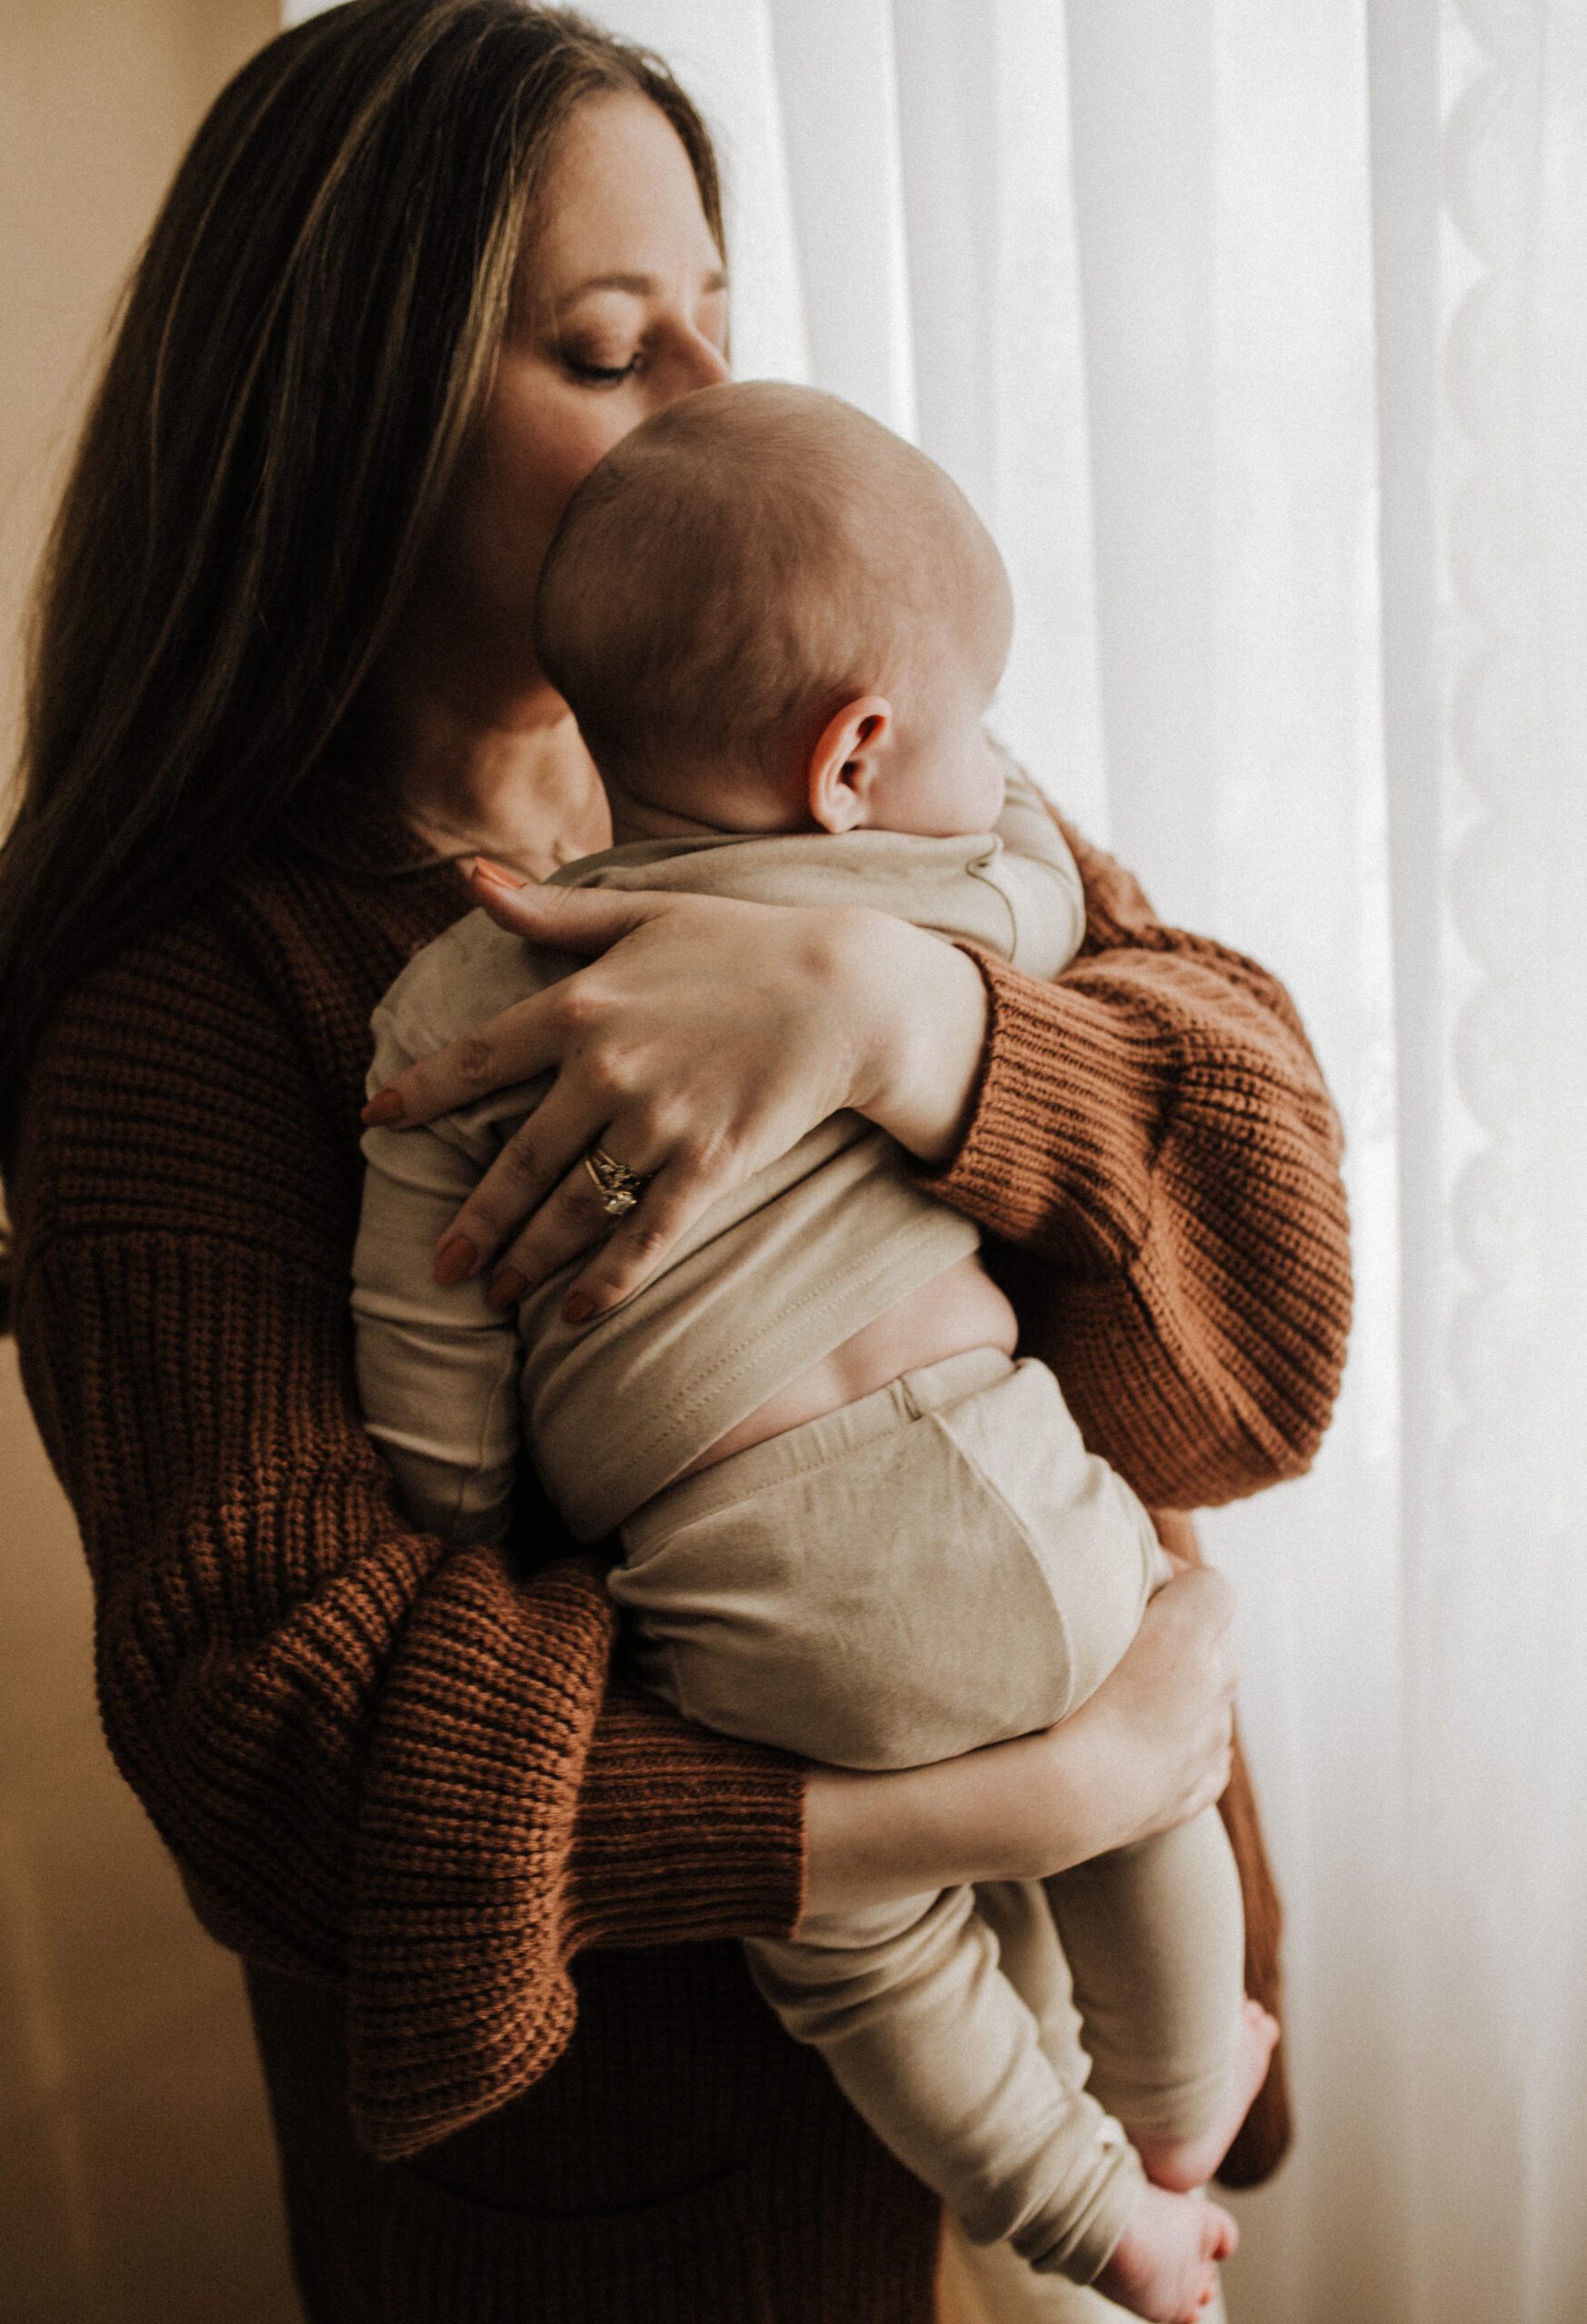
<point x="697" y="362"/>
<point x="711" y="363"/>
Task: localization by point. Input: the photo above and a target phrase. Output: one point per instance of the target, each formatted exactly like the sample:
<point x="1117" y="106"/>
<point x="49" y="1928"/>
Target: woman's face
<point x="620" y="306"/>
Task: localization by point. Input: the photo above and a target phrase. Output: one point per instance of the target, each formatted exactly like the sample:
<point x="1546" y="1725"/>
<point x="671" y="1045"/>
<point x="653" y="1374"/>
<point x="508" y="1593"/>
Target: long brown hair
<point x="304" y="343"/>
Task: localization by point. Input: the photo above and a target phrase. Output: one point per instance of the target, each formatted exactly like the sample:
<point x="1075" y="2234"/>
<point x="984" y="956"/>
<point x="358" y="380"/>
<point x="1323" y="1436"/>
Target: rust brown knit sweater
<point x="399" y="1770"/>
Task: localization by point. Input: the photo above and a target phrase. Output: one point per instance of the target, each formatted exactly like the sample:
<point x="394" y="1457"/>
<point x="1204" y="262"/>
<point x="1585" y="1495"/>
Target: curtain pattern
<point x="1496" y="1262"/>
<point x="1258" y="333"/>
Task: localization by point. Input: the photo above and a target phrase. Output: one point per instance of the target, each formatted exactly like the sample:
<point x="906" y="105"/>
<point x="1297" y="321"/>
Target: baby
<point x="852" y="1522"/>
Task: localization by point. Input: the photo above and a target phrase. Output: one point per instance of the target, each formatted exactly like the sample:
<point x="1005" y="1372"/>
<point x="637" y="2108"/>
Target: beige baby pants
<point x="937" y="1567"/>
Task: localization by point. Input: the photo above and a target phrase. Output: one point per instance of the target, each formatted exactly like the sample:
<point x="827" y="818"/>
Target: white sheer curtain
<point x="1258" y="331"/>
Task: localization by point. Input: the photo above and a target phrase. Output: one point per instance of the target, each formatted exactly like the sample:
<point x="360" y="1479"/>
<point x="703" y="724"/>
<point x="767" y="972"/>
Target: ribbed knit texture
<point x="1155" y="1142"/>
<point x="401" y="1771"/>
<point x="377" y="1761"/>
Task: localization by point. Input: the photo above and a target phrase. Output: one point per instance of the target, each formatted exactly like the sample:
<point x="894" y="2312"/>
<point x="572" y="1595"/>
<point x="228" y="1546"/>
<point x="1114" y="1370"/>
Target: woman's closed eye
<point x="600" y="375"/>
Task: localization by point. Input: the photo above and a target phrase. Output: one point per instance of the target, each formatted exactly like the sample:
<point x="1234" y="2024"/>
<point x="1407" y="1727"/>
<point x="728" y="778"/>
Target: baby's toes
<point x="1263" y="2022"/>
<point x="1199" y="2300"/>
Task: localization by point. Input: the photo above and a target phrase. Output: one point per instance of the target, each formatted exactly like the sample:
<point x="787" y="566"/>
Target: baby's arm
<point x="437" y="1369"/>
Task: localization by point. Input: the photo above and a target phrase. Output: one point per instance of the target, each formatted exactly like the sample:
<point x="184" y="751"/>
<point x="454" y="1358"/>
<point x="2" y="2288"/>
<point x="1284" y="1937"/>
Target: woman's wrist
<point x="921" y="1010"/>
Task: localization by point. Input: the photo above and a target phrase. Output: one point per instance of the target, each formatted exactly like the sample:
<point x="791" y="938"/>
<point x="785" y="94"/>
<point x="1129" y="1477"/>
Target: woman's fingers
<point x="570" y="920"/>
<point x="518" y="1045"/>
<point x="532" y="1037"/>
<point x="670" y="1206"/>
<point x="569" y="1219"/>
<point x="531" y="1174"/>
<point x="538" y="1207"/>
<point x="574" y="1217"/>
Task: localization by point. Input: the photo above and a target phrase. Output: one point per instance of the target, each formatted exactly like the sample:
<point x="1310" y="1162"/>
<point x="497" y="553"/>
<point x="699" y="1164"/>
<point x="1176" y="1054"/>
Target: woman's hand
<point x="1148" y="1750"/>
<point x="701" y="1044"/>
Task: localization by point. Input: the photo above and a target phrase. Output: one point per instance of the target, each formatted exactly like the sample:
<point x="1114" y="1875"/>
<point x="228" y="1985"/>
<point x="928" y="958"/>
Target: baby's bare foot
<point x="1165" y="2264"/>
<point x="1180" y="2164"/>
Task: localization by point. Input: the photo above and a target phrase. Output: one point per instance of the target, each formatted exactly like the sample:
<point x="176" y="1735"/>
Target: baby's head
<point x="769" y="614"/>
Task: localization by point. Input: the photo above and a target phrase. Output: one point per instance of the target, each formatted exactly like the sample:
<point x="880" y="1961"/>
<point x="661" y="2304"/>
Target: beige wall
<point x="97" y="99"/>
<point x="136" y="2179"/>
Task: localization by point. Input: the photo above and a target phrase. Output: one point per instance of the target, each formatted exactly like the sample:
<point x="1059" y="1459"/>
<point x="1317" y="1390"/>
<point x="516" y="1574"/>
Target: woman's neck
<point x="510" y="779"/>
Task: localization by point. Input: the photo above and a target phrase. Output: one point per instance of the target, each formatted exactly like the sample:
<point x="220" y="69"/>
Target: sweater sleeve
<point x="378" y="1761"/>
<point x="1155" y="1150"/>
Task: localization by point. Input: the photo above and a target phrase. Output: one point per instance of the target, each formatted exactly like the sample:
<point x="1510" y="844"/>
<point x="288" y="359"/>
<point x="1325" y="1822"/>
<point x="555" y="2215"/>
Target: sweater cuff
<point x="1056" y="1152"/>
<point x="682" y="1836"/>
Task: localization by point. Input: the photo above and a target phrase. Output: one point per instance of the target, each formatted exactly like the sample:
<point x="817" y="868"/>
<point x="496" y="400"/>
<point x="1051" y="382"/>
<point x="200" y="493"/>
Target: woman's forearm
<point x="1149" y="1748"/>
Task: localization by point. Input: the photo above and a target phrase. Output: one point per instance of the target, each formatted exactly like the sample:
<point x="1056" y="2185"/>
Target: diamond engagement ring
<point x="620" y="1187"/>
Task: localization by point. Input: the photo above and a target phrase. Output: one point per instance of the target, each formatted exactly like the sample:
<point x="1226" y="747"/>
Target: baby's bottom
<point x="935" y="1566"/>
<point x="939" y="1566"/>
<point x="934" y="2045"/>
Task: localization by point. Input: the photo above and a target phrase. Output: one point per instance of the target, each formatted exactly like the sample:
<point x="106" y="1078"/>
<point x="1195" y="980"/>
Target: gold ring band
<point x="619" y="1187"/>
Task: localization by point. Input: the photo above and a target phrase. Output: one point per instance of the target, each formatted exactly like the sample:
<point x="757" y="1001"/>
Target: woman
<point x="421" y="266"/>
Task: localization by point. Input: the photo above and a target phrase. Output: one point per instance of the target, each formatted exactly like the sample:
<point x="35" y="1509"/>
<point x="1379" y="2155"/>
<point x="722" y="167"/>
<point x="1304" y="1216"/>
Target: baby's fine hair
<point x="741" y="566"/>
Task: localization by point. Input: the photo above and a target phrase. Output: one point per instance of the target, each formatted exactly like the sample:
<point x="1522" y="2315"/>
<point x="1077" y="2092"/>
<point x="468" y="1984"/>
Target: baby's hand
<point x="1165" y="2264"/>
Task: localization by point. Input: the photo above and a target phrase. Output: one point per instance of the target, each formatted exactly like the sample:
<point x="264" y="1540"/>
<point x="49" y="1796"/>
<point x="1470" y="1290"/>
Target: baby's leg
<point x="1146" y="2271"/>
<point x="930" y="2042"/>
<point x="1155" y="1940"/>
<point x="1181" y="2163"/>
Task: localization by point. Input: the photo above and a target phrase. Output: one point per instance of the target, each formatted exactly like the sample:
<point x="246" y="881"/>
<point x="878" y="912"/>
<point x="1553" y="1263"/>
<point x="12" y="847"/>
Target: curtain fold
<point x="1257" y="333"/>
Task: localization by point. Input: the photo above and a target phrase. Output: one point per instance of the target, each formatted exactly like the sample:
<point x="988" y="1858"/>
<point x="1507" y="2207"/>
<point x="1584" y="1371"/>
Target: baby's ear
<point x="846" y="762"/>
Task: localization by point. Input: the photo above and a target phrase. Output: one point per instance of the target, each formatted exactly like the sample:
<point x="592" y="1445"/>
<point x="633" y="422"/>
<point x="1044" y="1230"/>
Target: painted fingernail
<point x="494" y="876"/>
<point x="577" y="1307"/>
<point x="507" y="1288"/>
<point x="454" y="1260"/>
<point x="384" y="1107"/>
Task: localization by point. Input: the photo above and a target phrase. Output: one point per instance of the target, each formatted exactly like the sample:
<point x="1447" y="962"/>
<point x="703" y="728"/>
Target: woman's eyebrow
<point x="639" y="286"/>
